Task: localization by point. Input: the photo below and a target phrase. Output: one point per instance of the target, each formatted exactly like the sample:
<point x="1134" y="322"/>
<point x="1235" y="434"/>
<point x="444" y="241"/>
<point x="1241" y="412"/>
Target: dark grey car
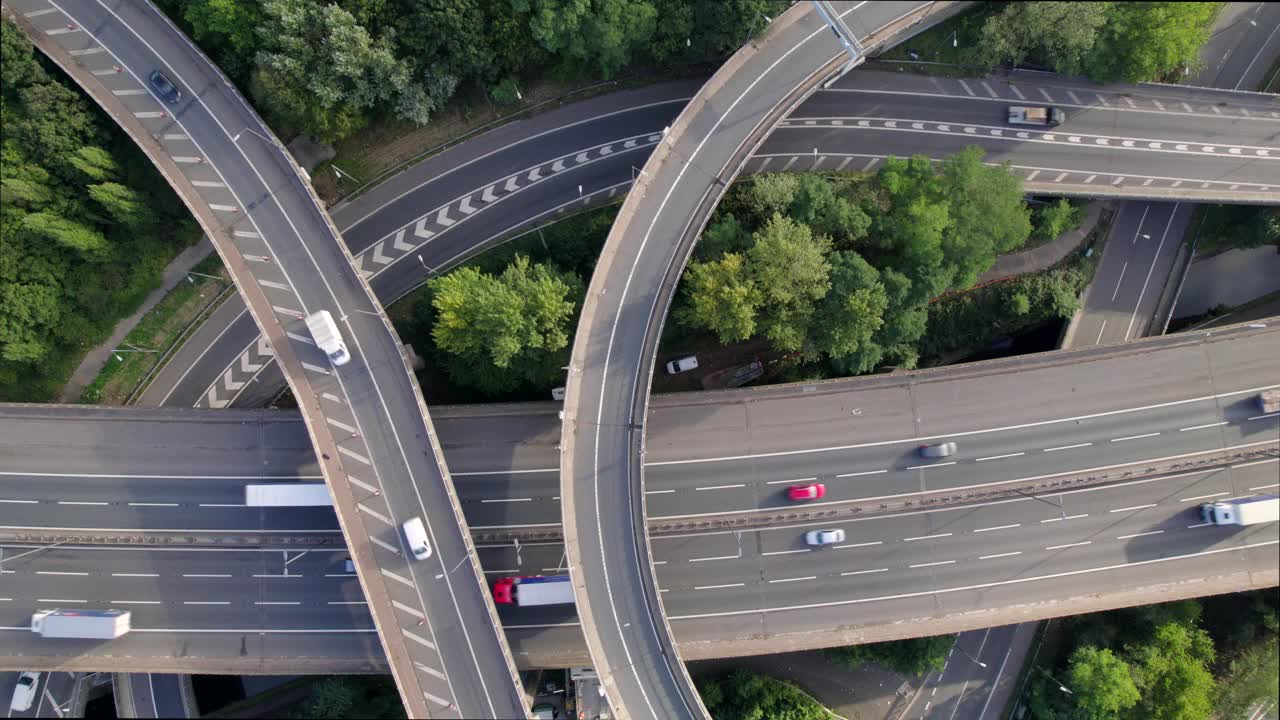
<point x="164" y="88"/>
<point x="940" y="450"/>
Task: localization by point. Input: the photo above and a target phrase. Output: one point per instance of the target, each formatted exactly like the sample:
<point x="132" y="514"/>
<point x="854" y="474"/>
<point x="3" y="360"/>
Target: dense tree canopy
<point x="1102" y="684"/>
<point x="743" y="696"/>
<point x="1108" y="41"/>
<point x="85" y="224"/>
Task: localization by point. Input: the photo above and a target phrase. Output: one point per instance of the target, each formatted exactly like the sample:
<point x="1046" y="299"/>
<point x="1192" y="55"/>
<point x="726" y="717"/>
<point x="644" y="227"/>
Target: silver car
<point x="941" y="450"/>
<point x="824" y="537"/>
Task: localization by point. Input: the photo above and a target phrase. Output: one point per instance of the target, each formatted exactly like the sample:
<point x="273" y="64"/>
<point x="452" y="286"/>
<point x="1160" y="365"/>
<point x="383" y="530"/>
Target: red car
<point x="812" y="491"/>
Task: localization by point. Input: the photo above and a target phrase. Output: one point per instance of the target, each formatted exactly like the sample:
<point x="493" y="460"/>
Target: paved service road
<point x="154" y="695"/>
<point x="368" y="419"/>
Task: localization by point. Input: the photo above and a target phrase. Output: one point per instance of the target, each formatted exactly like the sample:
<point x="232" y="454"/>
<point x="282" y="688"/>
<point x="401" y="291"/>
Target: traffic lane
<point x="205" y="354"/>
<point x="1158" y="271"/>
<point x="1039" y="88"/>
<point x="965" y="684"/>
<point x="1238" y="53"/>
<point x="748" y="424"/>
<point x="54" y="442"/>
<point x="1169" y="126"/>
<point x="896" y="468"/>
<point x="1084" y="155"/>
<point x="497" y="152"/>
<point x="9" y="682"/>
<point x="164" y="693"/>
<point x="1100" y="306"/>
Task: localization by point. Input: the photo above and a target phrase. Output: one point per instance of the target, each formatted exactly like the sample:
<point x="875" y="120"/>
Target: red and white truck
<point x="533" y="590"/>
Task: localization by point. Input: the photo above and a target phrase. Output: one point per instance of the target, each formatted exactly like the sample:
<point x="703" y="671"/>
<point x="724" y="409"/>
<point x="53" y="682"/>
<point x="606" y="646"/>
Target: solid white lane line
<point x="223" y="505"/>
<point x="718" y="557"/>
<point x="347" y="602"/>
<point x="1069" y="545"/>
<point x="858" y="545"/>
<point x="718" y="587"/>
<point x="863" y="572"/>
<point x="921" y="467"/>
<point x="797" y="480"/>
<point x="506" y="472"/>
<point x="148" y="504"/>
<point x="926" y="537"/>
<point x="135" y="574"/>
<point x="1202" y="427"/>
<point x="868" y="472"/>
<point x="277" y="576"/>
<point x="1067" y="447"/>
<point x="1141" y="534"/>
<point x="998" y="527"/>
<point x="658" y="492"/>
<point x="1257" y="462"/>
<point x="1120" y="281"/>
<point x="1199" y="525"/>
<point x="795" y="579"/>
<point x="999" y="555"/>
<point x="204" y="575"/>
<point x="1000" y="457"/>
<point x="1135" y="507"/>
<point x="20" y="502"/>
<point x="81" y="502"/>
<point x="787" y="552"/>
<point x="346" y="575"/>
<point x="59" y="600"/>
<point x="931" y="564"/>
<point x="135" y="602"/>
<point x="1069" y="517"/>
<point x="277" y="602"/>
<point x="1265" y="487"/>
<point x="721" y="487"/>
<point x="206" y="602"/>
<point x="1134" y="437"/>
<point x="507" y="500"/>
<point x="58" y="572"/>
<point x="1203" y="497"/>
<point x="1263" y="417"/>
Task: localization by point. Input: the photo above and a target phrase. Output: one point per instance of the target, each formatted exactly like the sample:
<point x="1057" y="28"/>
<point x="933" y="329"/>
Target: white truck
<point x="1242" y="511"/>
<point x="287" y="495"/>
<point x="325" y="332"/>
<point x="1019" y="115"/>
<point x="81" y="624"/>
<point x="533" y="590"/>
<point x="1269" y="401"/>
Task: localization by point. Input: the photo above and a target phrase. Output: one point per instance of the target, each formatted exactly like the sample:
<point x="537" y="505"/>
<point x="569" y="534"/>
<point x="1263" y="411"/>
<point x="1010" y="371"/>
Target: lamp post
<point x="1061" y="687"/>
<point x="974" y="659"/>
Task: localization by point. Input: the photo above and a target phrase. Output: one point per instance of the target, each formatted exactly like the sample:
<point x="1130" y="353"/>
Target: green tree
<point x="1252" y="677"/>
<point x="789" y="266"/>
<point x="852" y="312"/>
<point x="599" y="34"/>
<point x="57" y="122"/>
<point x="723" y="236"/>
<point x="86" y="240"/>
<point x="227" y="30"/>
<point x="1171" y="672"/>
<point x="817" y="205"/>
<point x="94" y="163"/>
<point x="771" y="193"/>
<point x="1057" y="34"/>
<point x="914" y="656"/>
<point x="701" y="30"/>
<point x="1143" y="40"/>
<point x="1102" y="686"/>
<point x="334" y="698"/>
<point x="988" y="214"/>
<point x="504" y="331"/>
<point x="123" y="204"/>
<point x="721" y="297"/>
<point x="743" y="696"/>
<point x="1056" y="218"/>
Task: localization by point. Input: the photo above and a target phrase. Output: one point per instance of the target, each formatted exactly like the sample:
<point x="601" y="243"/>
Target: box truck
<point x="1269" y="401"/>
<point x="81" y="624"/>
<point x="325" y="332"/>
<point x="1036" y="116"/>
<point x="533" y="590"/>
<point x="1242" y="511"/>
<point x="287" y="495"/>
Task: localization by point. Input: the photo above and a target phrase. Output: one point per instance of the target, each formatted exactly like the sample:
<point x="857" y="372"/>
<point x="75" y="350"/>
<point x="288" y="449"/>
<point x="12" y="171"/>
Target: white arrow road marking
<point x="465" y="206"/>
<point x="399" y="243"/>
<point x="511" y="185"/>
<point x="557" y="166"/>
<point x="891" y="123"/>
<point x="487" y="196"/>
<point x="230" y="383"/>
<point x="442" y="217"/>
<point x="606" y="150"/>
<point x="249" y="367"/>
<point x="580" y="157"/>
<point x="944" y="128"/>
<point x="421" y="230"/>
<point x="630" y="144"/>
<point x="378" y="257"/>
<point x="534" y="175"/>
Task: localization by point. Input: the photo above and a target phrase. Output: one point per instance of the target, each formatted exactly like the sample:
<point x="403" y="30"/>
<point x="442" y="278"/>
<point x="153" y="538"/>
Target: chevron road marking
<point x="273" y="284"/>
<point x="316" y="369"/>
<point x="229" y="382"/>
<point x="558" y="166"/>
<point x="630" y="144"/>
<point x="465" y="206"/>
<point x="580" y="157"/>
<point x="249" y="367"/>
<point x="399" y="243"/>
<point x="534" y="175"/>
<point x="421" y="230"/>
<point x="488" y="195"/>
<point x="606" y="150"/>
<point x="406" y="609"/>
<point x="215" y="401"/>
<point x="264" y="347"/>
<point x="300" y="338"/>
<point x="378" y="257"/>
<point x="384" y="545"/>
<point x="511" y="185"/>
<point x="442" y="217"/>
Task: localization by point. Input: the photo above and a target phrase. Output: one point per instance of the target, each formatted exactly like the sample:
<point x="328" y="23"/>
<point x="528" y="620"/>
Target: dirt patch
<point x="713" y="360"/>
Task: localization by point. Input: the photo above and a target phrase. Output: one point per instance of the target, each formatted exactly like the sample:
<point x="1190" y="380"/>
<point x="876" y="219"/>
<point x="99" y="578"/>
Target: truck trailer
<point x="1269" y="401"/>
<point x="325" y="332"/>
<point x="1242" y="511"/>
<point x="81" y="624"/>
<point x="533" y="590"/>
<point x="1019" y="115"/>
<point x="296" y="494"/>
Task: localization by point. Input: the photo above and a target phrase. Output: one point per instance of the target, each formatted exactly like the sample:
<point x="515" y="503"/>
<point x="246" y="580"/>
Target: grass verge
<point x="160" y="330"/>
<point x="950" y="48"/>
<point x="1271" y="81"/>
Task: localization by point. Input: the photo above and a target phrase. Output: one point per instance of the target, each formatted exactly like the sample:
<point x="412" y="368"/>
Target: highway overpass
<point x="722" y="451"/>
<point x="368" y="419"/>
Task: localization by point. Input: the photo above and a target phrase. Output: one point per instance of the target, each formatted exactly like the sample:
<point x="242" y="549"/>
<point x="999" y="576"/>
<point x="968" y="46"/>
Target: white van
<point x="325" y="332"/>
<point x="416" y="535"/>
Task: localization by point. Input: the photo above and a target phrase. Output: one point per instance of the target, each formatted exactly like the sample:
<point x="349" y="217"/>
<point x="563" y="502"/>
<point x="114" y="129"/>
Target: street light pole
<point x="962" y="652"/>
<point x="1061" y="687"/>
